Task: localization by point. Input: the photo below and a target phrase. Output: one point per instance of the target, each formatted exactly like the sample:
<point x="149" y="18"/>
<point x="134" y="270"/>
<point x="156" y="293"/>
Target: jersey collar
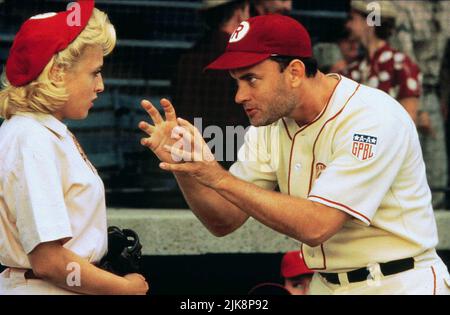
<point x="48" y="121"/>
<point x="292" y="126"/>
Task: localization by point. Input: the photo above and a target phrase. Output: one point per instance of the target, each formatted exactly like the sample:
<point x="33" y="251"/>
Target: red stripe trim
<point x="323" y="255"/>
<point x="287" y="129"/>
<point x="290" y="163"/>
<point x="434" y="280"/>
<point x="324" y="258"/>
<point x="303" y="255"/>
<point x="323" y="112"/>
<point x="341" y="205"/>
<point x="318" y="135"/>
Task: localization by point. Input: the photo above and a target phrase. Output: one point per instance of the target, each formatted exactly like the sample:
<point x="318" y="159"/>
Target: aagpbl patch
<point x="364" y="146"/>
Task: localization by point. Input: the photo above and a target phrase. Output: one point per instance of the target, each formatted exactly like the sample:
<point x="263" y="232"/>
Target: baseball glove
<point x="124" y="252"/>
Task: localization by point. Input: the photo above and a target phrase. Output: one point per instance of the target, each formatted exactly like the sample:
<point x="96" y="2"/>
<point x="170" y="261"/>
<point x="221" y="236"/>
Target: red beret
<point x="41" y="37"/>
<point x="261" y="37"/>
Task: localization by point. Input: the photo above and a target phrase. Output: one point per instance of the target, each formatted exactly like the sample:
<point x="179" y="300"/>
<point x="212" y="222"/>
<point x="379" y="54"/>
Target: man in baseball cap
<point x="345" y="157"/>
<point x="271" y="41"/>
<point x="259" y="38"/>
<point x="297" y="276"/>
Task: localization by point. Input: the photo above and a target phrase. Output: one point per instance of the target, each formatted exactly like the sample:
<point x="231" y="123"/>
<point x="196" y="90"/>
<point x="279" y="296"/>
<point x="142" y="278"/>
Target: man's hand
<point x="198" y="159"/>
<point x="160" y="134"/>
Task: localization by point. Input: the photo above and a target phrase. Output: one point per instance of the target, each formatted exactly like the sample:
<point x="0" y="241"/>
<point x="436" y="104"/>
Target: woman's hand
<point x="137" y="284"/>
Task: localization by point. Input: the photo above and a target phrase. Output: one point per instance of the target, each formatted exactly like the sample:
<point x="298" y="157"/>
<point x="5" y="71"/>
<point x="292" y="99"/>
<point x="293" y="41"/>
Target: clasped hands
<point x="180" y="146"/>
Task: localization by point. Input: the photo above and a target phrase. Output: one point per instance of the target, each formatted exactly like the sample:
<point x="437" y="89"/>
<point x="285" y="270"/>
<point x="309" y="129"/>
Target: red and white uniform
<point x="361" y="155"/>
<point x="388" y="70"/>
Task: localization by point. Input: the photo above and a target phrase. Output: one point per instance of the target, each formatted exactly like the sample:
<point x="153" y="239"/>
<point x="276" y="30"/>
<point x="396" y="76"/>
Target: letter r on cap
<point x="240" y="32"/>
<point x="237" y="31"/>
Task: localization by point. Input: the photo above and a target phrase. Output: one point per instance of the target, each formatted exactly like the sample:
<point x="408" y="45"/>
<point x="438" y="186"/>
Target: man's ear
<point x="296" y="71"/>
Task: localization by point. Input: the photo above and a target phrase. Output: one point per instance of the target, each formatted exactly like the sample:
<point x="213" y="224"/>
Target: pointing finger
<point x="146" y="127"/>
<point x="168" y="110"/>
<point x="152" y="111"/>
<point x="146" y="142"/>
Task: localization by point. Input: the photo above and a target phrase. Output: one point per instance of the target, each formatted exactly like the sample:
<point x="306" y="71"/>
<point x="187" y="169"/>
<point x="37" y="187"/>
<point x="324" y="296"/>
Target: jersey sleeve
<point x="35" y="195"/>
<point x="368" y="151"/>
<point x="254" y="161"/>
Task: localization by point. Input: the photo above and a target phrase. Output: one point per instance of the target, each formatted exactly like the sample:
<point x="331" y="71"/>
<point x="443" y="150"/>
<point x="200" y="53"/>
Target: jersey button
<point x="298" y="166"/>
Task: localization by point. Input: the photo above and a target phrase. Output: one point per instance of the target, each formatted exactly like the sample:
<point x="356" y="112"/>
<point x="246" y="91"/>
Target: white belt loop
<point x="425" y="259"/>
<point x="375" y="274"/>
<point x="17" y="273"/>
<point x="6" y="273"/>
<point x="343" y="279"/>
<point x="14" y="277"/>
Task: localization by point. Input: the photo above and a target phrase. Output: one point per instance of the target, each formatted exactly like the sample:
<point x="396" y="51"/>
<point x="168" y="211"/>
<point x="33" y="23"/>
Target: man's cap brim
<point x="296" y="271"/>
<point x="237" y="59"/>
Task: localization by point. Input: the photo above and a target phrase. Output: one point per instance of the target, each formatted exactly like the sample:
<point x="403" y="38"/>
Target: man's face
<point x="357" y="25"/>
<point x="264" y="92"/>
<point x="276" y="6"/>
<point x="298" y="285"/>
<point x="349" y="49"/>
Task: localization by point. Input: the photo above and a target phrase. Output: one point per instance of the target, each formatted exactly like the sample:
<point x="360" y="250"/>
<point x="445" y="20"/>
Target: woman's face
<point x="83" y="82"/>
<point x="357" y="26"/>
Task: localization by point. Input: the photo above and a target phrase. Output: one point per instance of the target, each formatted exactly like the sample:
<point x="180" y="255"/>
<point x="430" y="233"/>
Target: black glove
<point x="124" y="252"/>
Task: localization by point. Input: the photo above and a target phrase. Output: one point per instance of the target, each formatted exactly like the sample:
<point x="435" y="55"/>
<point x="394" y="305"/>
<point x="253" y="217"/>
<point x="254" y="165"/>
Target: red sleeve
<point x="407" y="75"/>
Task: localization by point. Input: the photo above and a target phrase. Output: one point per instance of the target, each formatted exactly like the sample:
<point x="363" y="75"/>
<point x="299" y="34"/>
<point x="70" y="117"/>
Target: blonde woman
<point x="53" y="226"/>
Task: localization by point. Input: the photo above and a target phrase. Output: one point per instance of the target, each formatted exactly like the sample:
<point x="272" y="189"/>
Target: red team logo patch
<point x="319" y="168"/>
<point x="364" y="147"/>
<point x="240" y="32"/>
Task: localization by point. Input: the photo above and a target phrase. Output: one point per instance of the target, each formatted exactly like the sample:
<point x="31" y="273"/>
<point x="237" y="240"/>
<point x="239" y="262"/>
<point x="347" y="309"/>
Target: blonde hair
<point x="44" y="94"/>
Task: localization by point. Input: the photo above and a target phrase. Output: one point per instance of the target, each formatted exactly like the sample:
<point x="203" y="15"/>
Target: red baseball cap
<point x="41" y="37"/>
<point x="261" y="37"/>
<point x="293" y="265"/>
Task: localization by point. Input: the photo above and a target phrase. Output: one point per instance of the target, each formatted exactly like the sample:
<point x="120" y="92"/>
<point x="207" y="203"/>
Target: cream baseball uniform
<point x="47" y="192"/>
<point x="361" y="155"/>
